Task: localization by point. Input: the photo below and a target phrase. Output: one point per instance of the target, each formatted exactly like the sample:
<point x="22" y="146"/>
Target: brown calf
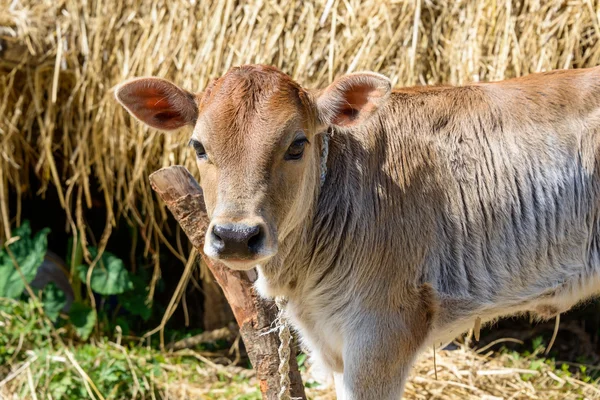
<point x="392" y="220"/>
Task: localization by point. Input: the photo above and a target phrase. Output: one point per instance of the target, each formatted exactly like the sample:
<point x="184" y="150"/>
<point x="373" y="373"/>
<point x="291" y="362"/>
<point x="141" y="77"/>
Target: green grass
<point x="571" y="375"/>
<point x="35" y="357"/>
<point x="583" y="370"/>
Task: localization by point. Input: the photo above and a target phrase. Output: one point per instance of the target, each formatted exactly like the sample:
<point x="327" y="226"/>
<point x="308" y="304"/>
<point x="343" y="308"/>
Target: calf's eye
<point x="198" y="148"/>
<point x="296" y="149"/>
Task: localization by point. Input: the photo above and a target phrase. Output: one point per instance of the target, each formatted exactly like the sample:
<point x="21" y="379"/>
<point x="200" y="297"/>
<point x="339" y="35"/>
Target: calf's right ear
<point x="158" y="103"/>
<point x="352" y="99"/>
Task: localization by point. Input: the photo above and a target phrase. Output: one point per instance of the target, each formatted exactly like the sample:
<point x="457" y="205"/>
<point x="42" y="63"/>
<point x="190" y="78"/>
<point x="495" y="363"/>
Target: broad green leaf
<point x="109" y="276"/>
<point x="135" y="301"/>
<point x="136" y="305"/>
<point x="53" y="300"/>
<point x="29" y="253"/>
<point x="83" y="319"/>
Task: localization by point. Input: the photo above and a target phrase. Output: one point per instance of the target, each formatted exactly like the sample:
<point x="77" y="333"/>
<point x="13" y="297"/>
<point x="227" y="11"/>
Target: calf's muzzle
<point x="236" y="241"/>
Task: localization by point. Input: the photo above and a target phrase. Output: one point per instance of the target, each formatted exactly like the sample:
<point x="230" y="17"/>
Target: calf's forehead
<point x="250" y="105"/>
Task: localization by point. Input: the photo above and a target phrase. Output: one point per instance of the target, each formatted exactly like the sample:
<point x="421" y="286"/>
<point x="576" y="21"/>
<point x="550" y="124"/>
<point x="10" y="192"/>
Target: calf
<point x="392" y="220"/>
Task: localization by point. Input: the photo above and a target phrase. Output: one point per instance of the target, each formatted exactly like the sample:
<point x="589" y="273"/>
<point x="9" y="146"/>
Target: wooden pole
<point x="255" y="315"/>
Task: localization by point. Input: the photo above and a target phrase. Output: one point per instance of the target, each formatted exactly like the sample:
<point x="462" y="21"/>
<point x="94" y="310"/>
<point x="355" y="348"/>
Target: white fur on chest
<point x="320" y="330"/>
<point x="321" y="333"/>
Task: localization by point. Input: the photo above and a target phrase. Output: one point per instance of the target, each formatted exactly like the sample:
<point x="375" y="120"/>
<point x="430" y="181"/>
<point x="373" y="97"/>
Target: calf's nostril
<point x="217" y="231"/>
<point x="217" y="240"/>
<point x="256" y="239"/>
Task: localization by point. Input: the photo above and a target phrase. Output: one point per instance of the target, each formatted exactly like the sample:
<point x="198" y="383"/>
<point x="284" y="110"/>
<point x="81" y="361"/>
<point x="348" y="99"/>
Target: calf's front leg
<point x="376" y="367"/>
<point x="381" y="348"/>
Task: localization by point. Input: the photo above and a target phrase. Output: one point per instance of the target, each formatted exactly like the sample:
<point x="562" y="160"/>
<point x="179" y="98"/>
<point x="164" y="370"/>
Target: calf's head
<point x="256" y="138"/>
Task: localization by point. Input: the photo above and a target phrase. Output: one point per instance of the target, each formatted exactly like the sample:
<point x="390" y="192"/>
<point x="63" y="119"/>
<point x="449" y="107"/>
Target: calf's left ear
<point x="353" y="98"/>
<point x="158" y="103"/>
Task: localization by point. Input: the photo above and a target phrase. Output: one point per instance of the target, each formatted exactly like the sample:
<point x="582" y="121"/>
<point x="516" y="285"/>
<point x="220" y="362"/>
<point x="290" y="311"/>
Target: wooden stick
<point x="224" y="333"/>
<point x="255" y="315"/>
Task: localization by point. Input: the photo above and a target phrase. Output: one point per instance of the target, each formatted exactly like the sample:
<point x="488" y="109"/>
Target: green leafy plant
<point x="109" y="276"/>
<point x="53" y="300"/>
<point x="136" y="300"/>
<point x="118" y="290"/>
<point x="83" y="319"/>
<point x="29" y="254"/>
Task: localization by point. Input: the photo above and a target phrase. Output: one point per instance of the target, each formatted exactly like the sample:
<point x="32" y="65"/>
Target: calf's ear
<point x="158" y="103"/>
<point x="352" y="99"/>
